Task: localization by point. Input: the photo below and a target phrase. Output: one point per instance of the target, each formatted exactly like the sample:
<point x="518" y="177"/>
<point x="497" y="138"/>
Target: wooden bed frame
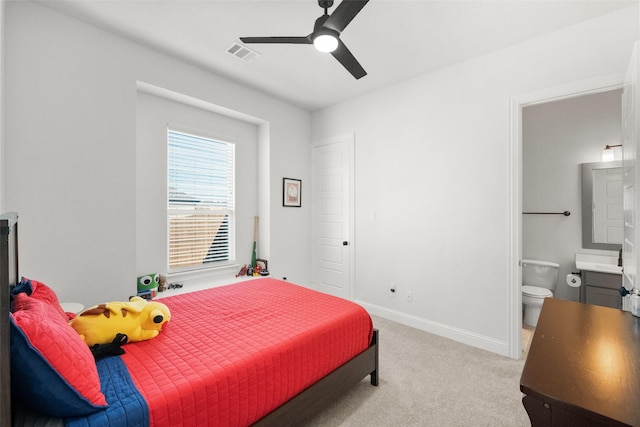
<point x="296" y="411"/>
<point x="328" y="390"/>
<point x="8" y="279"/>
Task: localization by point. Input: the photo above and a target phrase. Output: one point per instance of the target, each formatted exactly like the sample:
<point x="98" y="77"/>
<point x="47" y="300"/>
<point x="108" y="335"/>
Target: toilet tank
<point x="543" y="274"/>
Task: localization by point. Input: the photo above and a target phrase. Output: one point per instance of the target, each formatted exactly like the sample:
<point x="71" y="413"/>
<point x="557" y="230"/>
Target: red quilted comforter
<point x="232" y="354"/>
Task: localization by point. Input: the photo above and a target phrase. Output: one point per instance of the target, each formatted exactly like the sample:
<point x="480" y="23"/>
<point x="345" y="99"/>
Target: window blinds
<point x="201" y="201"/>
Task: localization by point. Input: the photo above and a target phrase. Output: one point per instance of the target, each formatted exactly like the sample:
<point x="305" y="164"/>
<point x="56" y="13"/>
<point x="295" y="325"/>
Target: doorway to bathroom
<point x="557" y="137"/>
<point x="553" y="132"/>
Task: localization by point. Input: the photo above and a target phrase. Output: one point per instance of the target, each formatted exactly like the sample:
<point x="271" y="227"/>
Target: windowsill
<point x="205" y="279"/>
<point x="224" y="271"/>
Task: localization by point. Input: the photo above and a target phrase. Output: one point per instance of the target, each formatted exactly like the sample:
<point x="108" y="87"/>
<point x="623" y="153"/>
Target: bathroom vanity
<point x="582" y="376"/>
<point x="601" y="279"/>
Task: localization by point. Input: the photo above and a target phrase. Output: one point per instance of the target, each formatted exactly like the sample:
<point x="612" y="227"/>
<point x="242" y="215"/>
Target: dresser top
<point x="586" y="357"/>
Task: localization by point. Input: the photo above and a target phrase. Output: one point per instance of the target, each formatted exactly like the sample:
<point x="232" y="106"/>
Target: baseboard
<point x="459" y="335"/>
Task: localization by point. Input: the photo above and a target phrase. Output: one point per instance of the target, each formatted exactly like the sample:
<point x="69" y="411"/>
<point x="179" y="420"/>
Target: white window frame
<point x="199" y="186"/>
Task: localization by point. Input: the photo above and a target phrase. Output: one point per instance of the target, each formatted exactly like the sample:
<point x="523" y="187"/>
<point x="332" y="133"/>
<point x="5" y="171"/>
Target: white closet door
<point x="332" y="217"/>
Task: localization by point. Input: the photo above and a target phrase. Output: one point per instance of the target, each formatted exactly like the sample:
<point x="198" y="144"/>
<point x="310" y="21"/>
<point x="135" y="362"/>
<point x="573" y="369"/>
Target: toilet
<point x="539" y="279"/>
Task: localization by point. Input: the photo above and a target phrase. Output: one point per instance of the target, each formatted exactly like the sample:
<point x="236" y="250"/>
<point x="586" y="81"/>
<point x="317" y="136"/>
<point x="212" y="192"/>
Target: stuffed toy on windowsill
<point x="148" y="286"/>
<point x="138" y="319"/>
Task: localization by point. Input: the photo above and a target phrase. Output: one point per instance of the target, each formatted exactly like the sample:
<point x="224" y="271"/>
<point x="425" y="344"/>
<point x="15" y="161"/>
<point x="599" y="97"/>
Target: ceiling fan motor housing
<point x="319" y="22"/>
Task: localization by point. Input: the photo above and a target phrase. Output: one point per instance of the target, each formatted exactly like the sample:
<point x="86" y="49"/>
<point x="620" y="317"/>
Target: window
<point x="201" y="201"/>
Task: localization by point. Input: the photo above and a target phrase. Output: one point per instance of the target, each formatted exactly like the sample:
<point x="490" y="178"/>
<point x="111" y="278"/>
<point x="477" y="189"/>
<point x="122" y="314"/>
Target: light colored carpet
<point x="426" y="380"/>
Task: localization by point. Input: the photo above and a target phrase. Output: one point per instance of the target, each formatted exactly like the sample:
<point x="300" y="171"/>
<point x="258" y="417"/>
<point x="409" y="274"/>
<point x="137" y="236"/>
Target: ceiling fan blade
<point x="346" y="58"/>
<point x="289" y="40"/>
<point x="344" y="13"/>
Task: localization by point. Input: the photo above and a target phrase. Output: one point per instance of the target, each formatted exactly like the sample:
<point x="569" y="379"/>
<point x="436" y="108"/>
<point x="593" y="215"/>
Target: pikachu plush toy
<point x="138" y="319"/>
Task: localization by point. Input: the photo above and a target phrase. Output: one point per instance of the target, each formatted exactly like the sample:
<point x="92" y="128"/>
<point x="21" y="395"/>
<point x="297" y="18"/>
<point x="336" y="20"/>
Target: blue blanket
<point x="127" y="407"/>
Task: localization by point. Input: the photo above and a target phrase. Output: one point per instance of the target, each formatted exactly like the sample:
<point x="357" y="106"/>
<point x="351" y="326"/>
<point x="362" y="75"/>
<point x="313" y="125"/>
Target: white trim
<point x="459" y="335"/>
<point x="571" y="90"/>
<point x="514" y="296"/>
<point x="196" y="102"/>
<point x="219" y="137"/>
<point x="517" y="103"/>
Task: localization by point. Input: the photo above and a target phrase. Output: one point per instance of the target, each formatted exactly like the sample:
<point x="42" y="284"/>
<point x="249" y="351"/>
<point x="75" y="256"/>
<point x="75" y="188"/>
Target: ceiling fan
<point x="326" y="34"/>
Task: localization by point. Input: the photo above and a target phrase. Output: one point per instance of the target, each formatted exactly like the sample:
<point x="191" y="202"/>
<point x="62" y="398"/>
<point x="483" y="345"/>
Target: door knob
<point x="345" y="243"/>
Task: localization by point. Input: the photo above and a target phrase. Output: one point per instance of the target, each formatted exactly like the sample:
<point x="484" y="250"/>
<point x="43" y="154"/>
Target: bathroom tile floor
<point x="527" y="336"/>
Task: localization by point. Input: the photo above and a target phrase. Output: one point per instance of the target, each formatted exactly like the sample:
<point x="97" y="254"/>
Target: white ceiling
<point x="394" y="40"/>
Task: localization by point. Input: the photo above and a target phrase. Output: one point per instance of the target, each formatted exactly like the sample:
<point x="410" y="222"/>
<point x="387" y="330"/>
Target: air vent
<point x="242" y="52"/>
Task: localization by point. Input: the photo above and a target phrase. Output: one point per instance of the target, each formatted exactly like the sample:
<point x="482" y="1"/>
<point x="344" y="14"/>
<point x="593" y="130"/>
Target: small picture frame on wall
<point x="291" y="192"/>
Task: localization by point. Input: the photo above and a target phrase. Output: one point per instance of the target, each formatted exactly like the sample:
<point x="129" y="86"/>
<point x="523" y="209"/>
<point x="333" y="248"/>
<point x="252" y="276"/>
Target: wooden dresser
<point x="583" y="367"/>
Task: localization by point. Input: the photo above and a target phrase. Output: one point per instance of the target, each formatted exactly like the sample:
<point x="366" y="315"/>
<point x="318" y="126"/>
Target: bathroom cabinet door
<point x="604" y="297"/>
<point x="601" y="289"/>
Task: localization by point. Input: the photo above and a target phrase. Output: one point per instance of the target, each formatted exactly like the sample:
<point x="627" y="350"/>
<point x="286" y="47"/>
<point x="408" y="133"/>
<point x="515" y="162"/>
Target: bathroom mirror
<point x="602" y="212"/>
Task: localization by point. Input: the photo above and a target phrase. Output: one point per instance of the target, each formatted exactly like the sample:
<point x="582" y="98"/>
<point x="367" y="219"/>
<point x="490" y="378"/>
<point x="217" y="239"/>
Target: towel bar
<point x="565" y="213"/>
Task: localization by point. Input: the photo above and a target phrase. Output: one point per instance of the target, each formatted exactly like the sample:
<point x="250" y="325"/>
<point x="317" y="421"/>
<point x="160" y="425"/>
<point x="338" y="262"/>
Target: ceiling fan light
<point x="325" y="43"/>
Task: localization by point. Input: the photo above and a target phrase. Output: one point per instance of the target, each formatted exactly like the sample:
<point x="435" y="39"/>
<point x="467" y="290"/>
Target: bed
<point x="261" y="352"/>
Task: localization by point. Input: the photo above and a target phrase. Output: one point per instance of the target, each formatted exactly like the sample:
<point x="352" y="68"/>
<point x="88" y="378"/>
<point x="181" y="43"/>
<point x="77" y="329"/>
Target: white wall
<point x="433" y="162"/>
<point x="70" y="165"/>
<point x="557" y="138"/>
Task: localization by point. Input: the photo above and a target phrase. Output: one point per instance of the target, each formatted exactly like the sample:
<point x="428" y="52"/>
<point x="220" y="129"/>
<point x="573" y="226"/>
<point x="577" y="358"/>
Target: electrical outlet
<point x="392" y="289"/>
<point x="408" y="296"/>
